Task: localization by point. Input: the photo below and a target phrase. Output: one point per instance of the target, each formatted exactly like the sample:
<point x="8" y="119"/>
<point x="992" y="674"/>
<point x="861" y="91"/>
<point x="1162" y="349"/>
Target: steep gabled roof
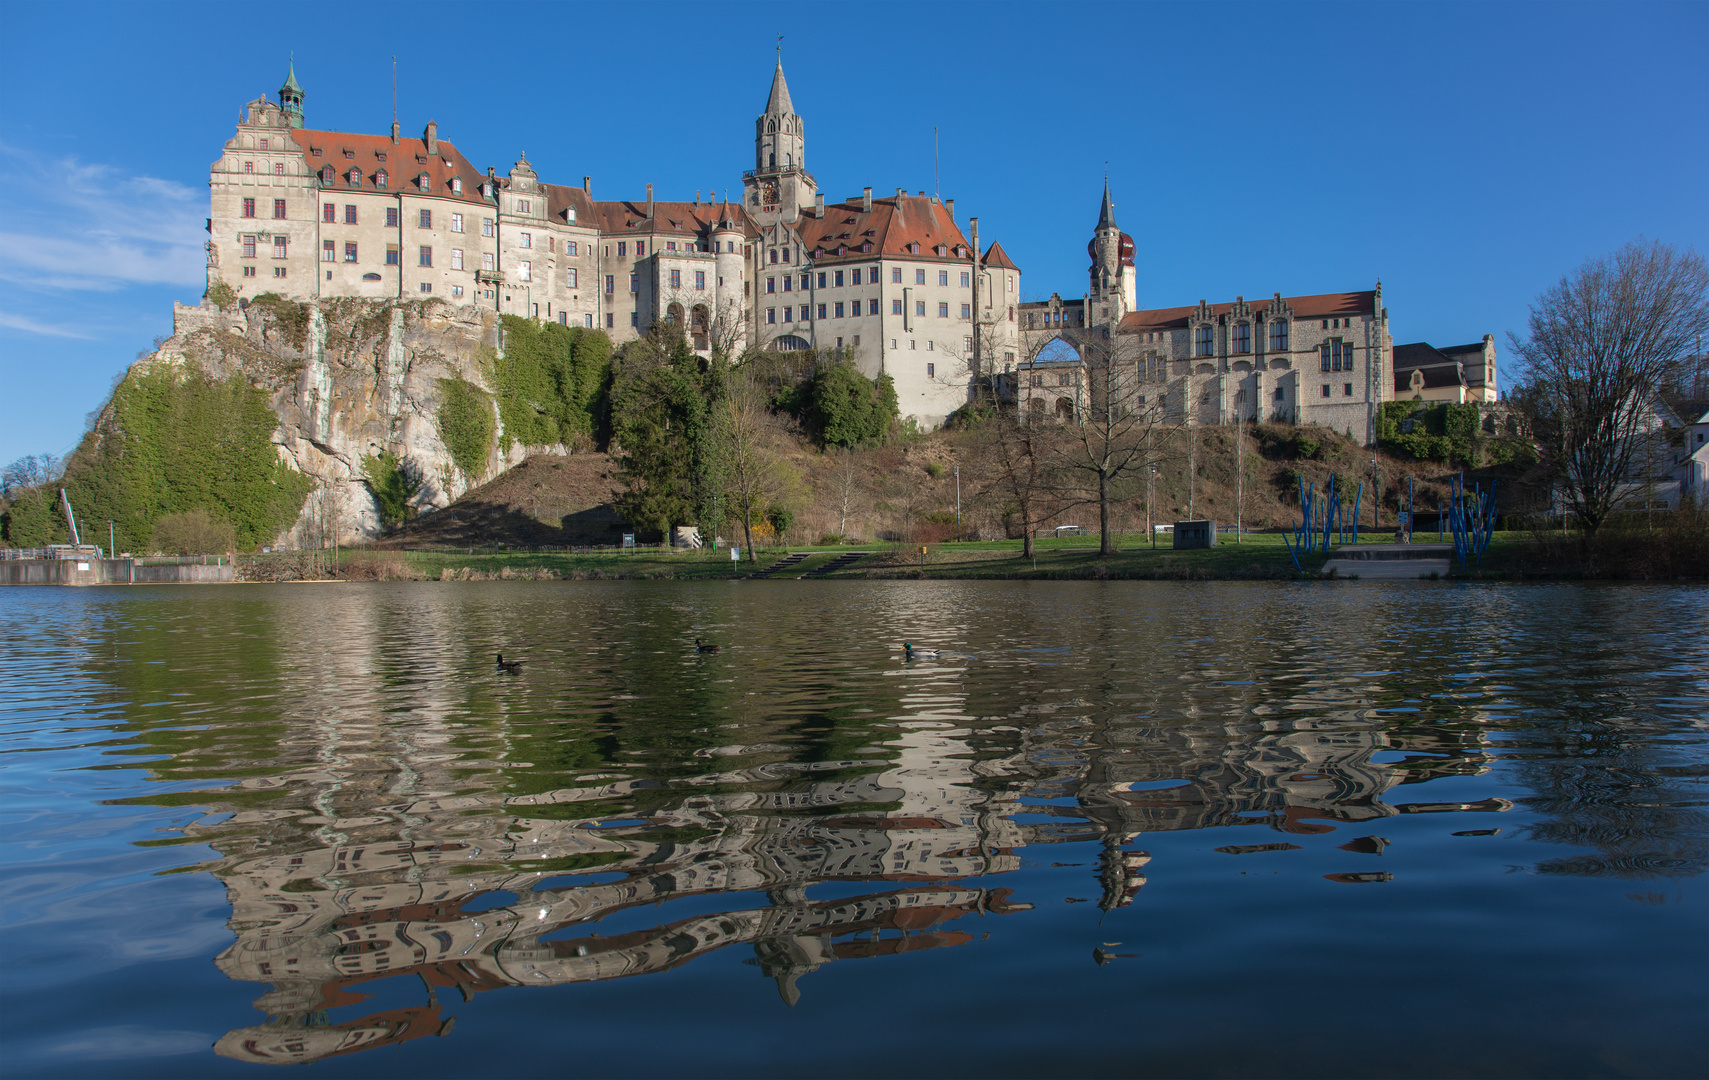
<point x="623" y="218"/>
<point x="996" y="256"/>
<point x="891" y="226"/>
<point x="1107" y="212"/>
<point x="1318" y="306"/>
<point x="404" y="161"/>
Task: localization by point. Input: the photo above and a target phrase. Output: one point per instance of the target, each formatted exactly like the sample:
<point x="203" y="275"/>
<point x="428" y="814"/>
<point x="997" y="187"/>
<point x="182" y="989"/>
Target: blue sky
<point x="1465" y="154"/>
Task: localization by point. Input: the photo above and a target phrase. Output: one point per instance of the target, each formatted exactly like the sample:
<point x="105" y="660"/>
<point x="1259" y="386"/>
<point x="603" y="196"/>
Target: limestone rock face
<point x="349" y="378"/>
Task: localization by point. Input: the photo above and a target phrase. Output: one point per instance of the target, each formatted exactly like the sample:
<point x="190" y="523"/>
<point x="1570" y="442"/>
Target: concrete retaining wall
<point x="107" y="572"/>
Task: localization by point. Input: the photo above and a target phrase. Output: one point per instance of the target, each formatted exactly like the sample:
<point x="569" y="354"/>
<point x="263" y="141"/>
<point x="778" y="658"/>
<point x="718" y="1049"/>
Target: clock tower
<point x="779" y="186"/>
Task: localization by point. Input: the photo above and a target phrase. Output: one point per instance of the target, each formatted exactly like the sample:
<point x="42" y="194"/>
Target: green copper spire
<point x="291" y="97"/>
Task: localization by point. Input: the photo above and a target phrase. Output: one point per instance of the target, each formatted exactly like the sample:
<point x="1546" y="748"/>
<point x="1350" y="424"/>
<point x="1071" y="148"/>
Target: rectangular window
<point x="278" y="168"/>
<point x="872" y="306"/>
<point x="838" y="275"/>
<point x="1325" y="389"/>
<point x="563" y="317"/>
<point x="525" y="240"/>
<point x="966" y="281"/>
<point x="967" y="345"/>
<point x="821" y="279"/>
<point x="328" y="251"/>
<point x="1347" y="389"/>
<point x="821" y="311"/>
<point x="839" y="308"/>
<point x="855" y="278"/>
<point x="770" y="284"/>
<point x="806" y="282"/>
<point x="610" y="283"/>
<point x="920" y="309"/>
<point x="570" y="247"/>
<point x="1205" y="340"/>
<point x="1323" y="359"/>
<point x="534" y="310"/>
<point x="943" y="277"/>
<point x="486" y="260"/>
<point x="350" y="251"/>
<point x="967" y="311"/>
<point x="425" y="256"/>
<point x="486" y="226"/>
<point x="391" y="217"/>
<point x="700" y="279"/>
<point x="943" y="309"/>
<point x="896" y="275"/>
<point x="622" y="249"/>
<point x="920" y="276"/>
<point x="456" y="290"/>
<point x="350" y="213"/>
<point x="634" y="318"/>
<point x="788" y="280"/>
<point x="610" y="320"/>
<point x="774" y="255"/>
<point x="1279" y="336"/>
<point x="249" y="247"/>
<point x="570" y="277"/>
<point x="249" y="208"/>
<point x="391" y="254"/>
<point x="329" y="213"/>
<point x="456" y="258"/>
<point x="587" y="320"/>
<point x="279" y="247"/>
<point x="676" y="279"/>
<point x="634" y="283"/>
<point x="771" y="315"/>
<point x="788" y="314"/>
<point x="427" y="286"/>
<point x="249" y="167"/>
<point x="456" y="222"/>
<point x="640" y="248"/>
<point x="1242" y="337"/>
<point x="895" y="305"/>
<point x="931" y="371"/>
<point x="425" y="219"/>
<point x="786" y="255"/>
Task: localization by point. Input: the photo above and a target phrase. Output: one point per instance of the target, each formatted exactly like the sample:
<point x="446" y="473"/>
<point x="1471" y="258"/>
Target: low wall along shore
<point x="109" y="572"/>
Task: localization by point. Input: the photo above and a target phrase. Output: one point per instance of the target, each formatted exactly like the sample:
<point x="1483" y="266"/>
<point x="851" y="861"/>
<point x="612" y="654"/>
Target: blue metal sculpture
<point x="1471" y="517"/>
<point x="1322" y="520"/>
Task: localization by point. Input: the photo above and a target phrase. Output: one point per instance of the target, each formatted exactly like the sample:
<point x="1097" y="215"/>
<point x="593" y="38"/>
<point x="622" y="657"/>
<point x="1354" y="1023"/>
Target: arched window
<point x="1204" y="340"/>
<point x="773" y="161"/>
<point x="1242" y="337"/>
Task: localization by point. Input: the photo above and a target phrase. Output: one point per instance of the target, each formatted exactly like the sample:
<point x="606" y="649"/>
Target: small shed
<point x="1195" y="534"/>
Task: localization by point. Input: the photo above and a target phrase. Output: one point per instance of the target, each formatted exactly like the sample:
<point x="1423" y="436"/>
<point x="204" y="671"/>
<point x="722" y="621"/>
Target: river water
<point x="1147" y="829"/>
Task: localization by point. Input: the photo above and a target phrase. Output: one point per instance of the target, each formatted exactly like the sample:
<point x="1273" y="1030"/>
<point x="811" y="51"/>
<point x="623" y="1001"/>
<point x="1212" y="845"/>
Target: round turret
<point x="1125" y="250"/>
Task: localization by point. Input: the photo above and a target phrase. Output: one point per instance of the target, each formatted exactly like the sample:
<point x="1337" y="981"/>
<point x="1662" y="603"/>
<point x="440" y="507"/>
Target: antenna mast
<point x="394" y="92"/>
<point x="937" y="185"/>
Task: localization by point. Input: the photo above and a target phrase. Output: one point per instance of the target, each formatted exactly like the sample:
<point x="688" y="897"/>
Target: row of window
<point x="1336" y="355"/>
<point x="354" y="177"/>
<point x="828" y="310"/>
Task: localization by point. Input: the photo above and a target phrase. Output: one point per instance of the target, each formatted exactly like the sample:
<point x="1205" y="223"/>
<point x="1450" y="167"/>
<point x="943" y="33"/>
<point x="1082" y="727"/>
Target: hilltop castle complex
<point x="893" y="281"/>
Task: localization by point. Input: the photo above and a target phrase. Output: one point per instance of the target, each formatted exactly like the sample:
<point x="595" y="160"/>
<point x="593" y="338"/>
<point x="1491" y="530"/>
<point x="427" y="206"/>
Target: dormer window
<point x="380" y="179"/>
<point x="456" y="185"/>
<point x="327" y="175"/>
<point x="379" y="155"/>
<point x="941" y="250"/>
<point x="350" y="153"/>
<point x="914" y="249"/>
<point x="866" y="248"/>
<point x="423" y="182"/>
<point x="315" y="151"/>
<point x="570" y="215"/>
<point x="421" y="159"/>
<point x="355" y="177"/>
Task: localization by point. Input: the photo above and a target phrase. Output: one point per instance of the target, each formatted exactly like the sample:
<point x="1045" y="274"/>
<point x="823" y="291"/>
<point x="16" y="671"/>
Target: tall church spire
<point x="778" y="103"/>
<point x="1107" y="213"/>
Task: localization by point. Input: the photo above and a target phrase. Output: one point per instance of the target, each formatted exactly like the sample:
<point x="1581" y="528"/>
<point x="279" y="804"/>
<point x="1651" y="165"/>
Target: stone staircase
<point x="1390" y="562"/>
<point x="847" y="558"/>
<point x="782" y="564"/>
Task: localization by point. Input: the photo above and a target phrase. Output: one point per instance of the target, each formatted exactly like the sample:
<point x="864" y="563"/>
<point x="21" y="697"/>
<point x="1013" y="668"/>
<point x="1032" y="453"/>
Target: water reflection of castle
<point x="475" y="892"/>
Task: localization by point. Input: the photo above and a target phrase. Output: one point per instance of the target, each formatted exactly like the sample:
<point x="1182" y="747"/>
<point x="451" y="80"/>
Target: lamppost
<point x="110" y="544"/>
<point x="957" y="469"/>
<point x="1150" y="502"/>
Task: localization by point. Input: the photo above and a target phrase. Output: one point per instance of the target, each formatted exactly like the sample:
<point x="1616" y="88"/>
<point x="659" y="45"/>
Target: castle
<point x="892" y="281"/>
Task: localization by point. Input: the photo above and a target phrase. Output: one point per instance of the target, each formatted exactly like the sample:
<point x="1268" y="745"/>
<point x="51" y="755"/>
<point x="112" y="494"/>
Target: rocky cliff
<point x="349" y="379"/>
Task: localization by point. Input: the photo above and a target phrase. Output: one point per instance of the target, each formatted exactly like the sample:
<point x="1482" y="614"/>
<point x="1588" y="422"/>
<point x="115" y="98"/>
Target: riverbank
<point x="1256" y="556"/>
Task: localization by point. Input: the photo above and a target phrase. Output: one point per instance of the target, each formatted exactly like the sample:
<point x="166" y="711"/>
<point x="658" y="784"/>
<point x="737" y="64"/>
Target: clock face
<point x="768" y="193"/>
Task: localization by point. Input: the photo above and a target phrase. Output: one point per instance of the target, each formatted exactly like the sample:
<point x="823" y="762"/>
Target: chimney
<point x="697" y="196"/>
<point x="900" y="193"/>
<point x="949" y="204"/>
<point x="432" y="137"/>
<point x="394" y="132"/>
<point x="819" y="206"/>
<point x="587" y="186"/>
<point x="649" y="200"/>
<point x="866" y="201"/>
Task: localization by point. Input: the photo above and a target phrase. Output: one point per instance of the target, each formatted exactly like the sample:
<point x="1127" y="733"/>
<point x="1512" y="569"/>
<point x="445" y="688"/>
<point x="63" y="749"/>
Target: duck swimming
<point x="911" y="653"/>
<point x="699" y="646"/>
<point x="509" y="667"/>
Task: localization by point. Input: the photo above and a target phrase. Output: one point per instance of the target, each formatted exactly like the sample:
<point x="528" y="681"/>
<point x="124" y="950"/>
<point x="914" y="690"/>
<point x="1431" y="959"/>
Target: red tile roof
<point x="996" y="256"/>
<point x="680" y="218"/>
<point x="890" y="227"/>
<point x="371" y="153"/>
<point x="1320" y="306"/>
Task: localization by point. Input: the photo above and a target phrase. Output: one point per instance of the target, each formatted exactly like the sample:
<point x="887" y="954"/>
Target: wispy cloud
<point x="31" y="326"/>
<point x="93" y="227"/>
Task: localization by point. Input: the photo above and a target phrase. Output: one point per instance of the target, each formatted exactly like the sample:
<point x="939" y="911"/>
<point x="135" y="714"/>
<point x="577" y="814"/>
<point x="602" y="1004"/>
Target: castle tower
<point x="291" y="98"/>
<point x="1112" y="286"/>
<point x="779" y="186"/>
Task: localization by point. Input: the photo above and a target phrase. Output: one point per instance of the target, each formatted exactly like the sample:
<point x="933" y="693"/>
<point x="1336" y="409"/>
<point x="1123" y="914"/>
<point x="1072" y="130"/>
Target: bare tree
<point x="846" y="487"/>
<point x="1119" y="434"/>
<point x="1603" y="342"/>
<point x="1017" y="445"/>
<point x="758" y="479"/>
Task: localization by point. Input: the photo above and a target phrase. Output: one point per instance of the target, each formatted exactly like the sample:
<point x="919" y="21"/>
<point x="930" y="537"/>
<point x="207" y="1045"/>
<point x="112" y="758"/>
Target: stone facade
<point x="891" y="282"/>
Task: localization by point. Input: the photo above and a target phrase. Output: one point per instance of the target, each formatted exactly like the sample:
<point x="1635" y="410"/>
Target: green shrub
<point x="1305" y="448"/>
<point x="193" y="532"/>
<point x="551" y="383"/>
<point x="851" y="410"/>
<point x="394" y="483"/>
<point x="221" y="295"/>
<point x="935" y="469"/>
<point x="465" y="421"/>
